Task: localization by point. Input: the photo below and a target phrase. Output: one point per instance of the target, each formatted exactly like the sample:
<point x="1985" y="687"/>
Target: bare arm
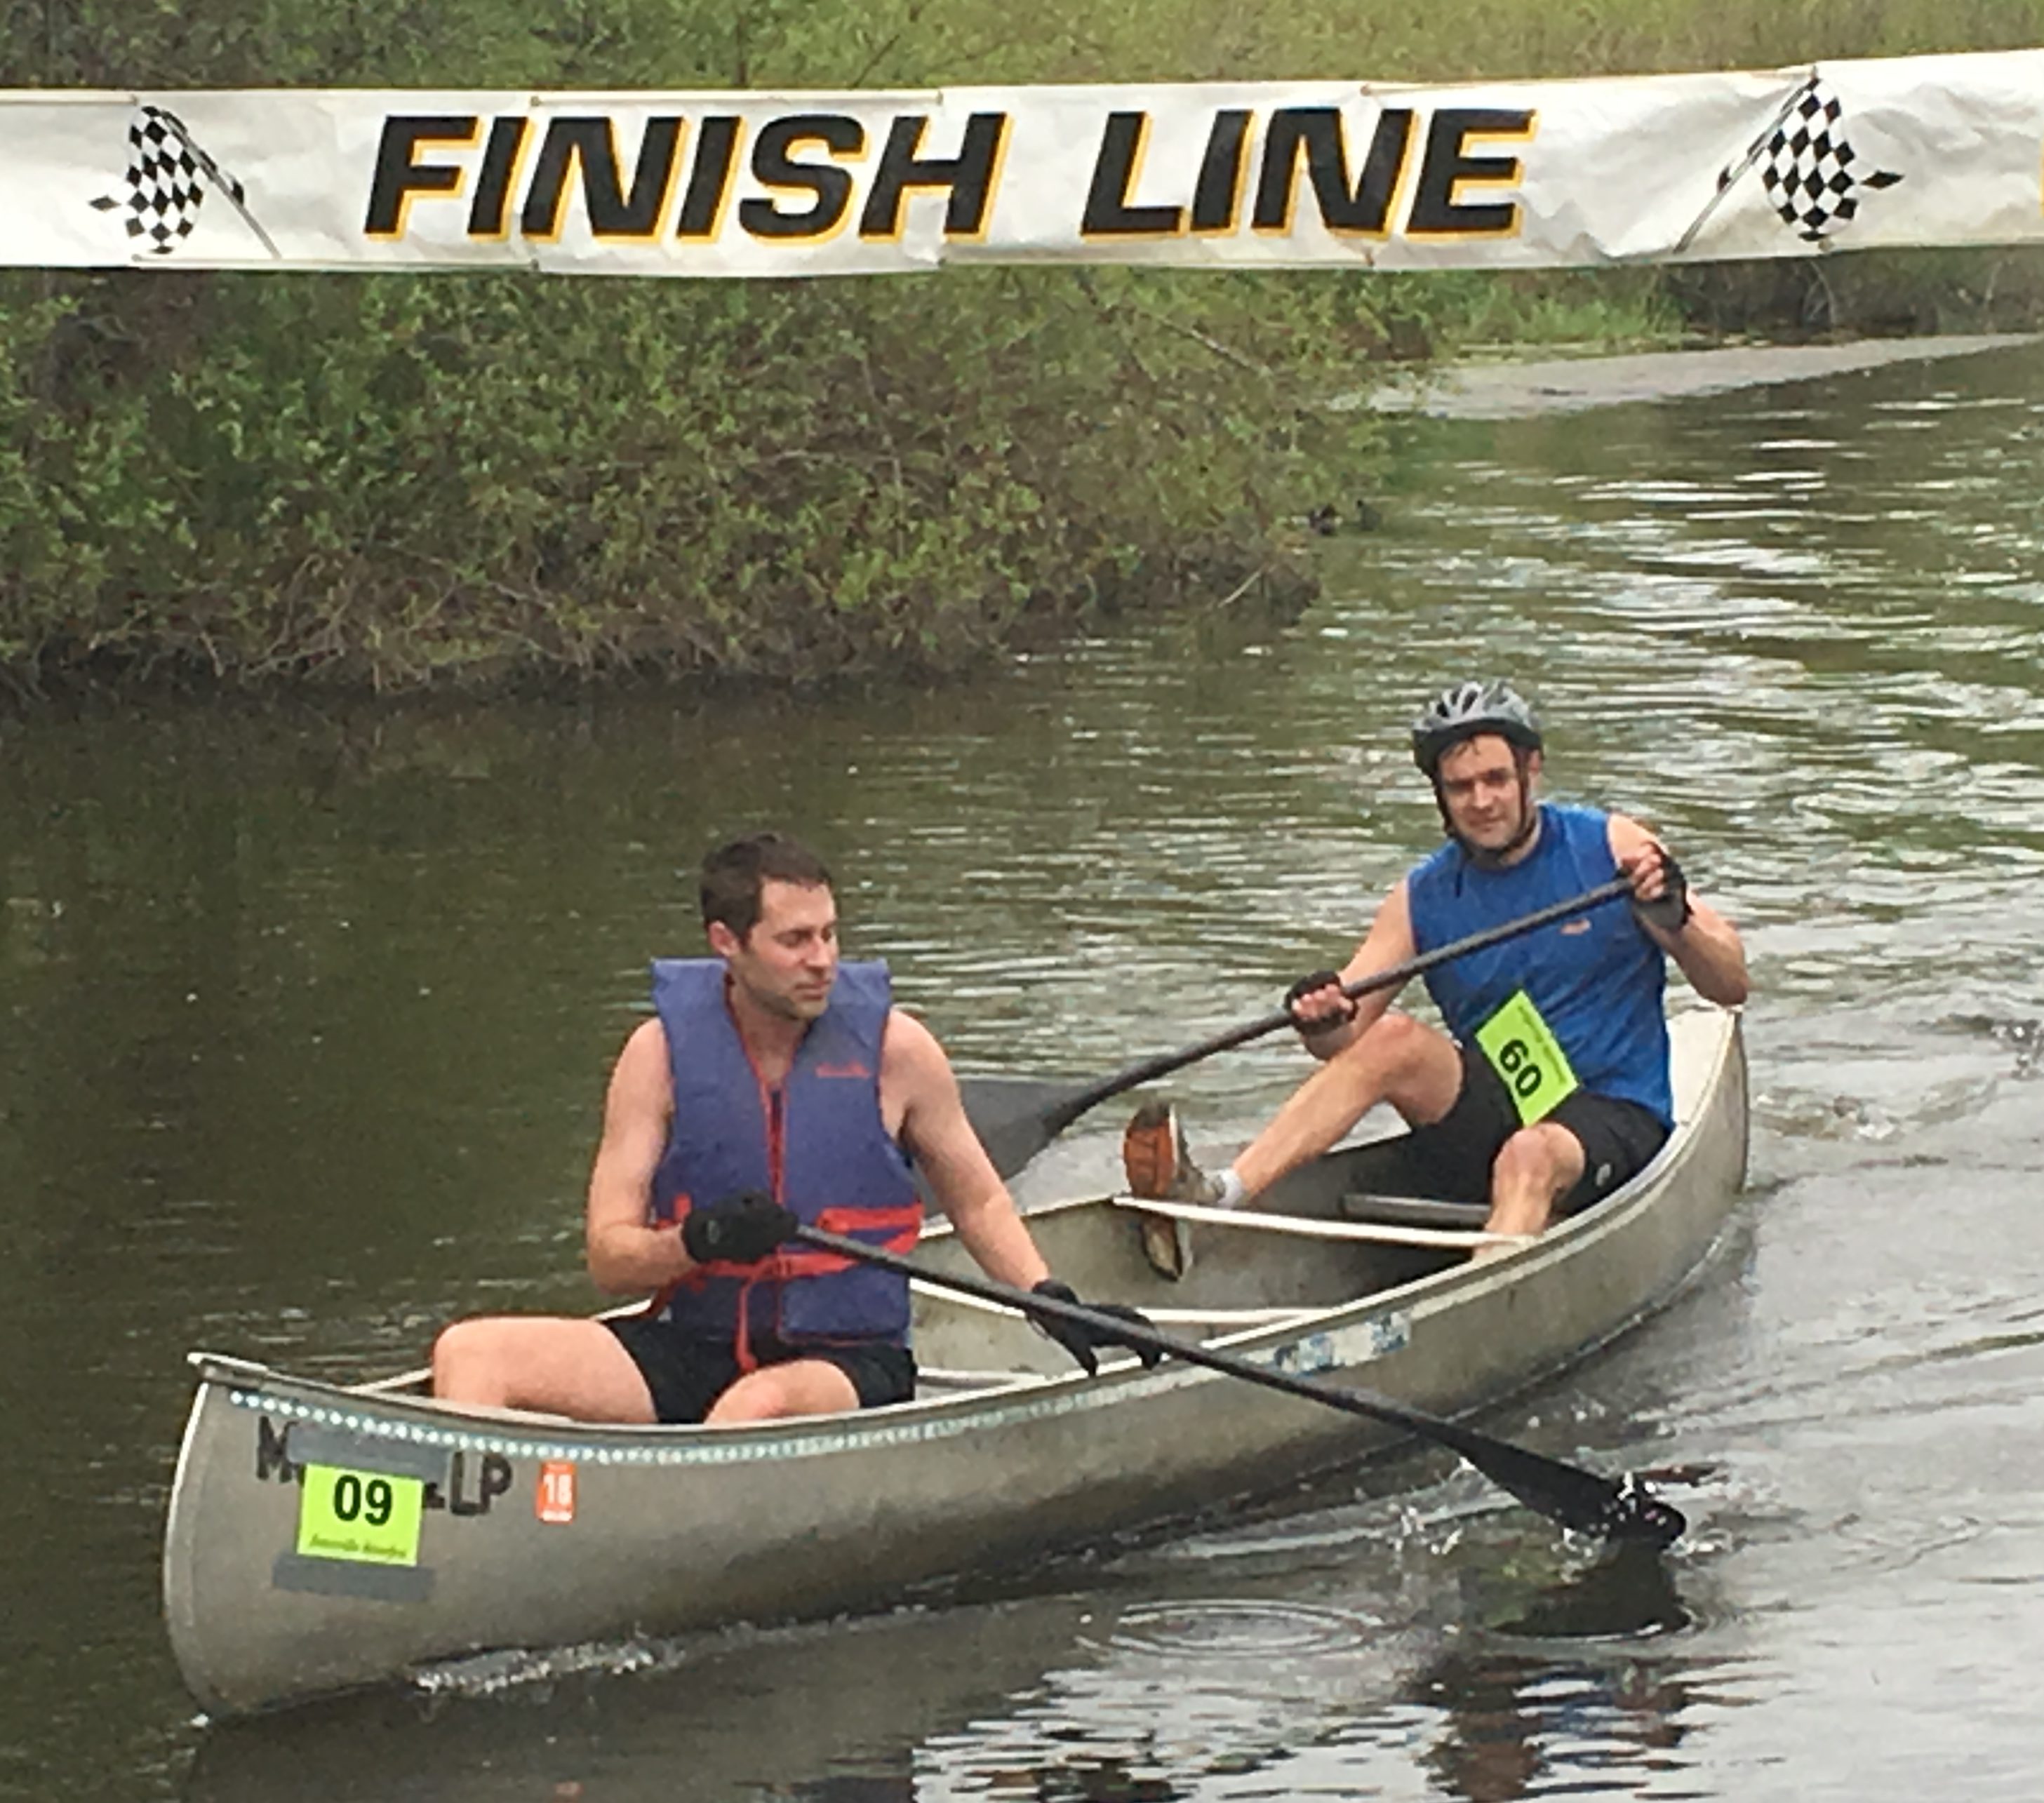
<point x="627" y="1256"/>
<point x="1705" y="947"/>
<point x="1389" y="942"/>
<point x="960" y="1176"/>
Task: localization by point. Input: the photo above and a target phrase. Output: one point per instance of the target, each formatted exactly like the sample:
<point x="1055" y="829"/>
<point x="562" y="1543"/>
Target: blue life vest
<point x="816" y="1142"/>
<point x="1596" y="978"/>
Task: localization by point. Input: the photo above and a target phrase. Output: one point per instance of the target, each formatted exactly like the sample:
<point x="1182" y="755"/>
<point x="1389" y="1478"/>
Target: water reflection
<point x="1514" y="1724"/>
<point x="1046" y="1698"/>
<point x="1515" y="1718"/>
<point x="1628" y="1593"/>
<point x="831" y="1712"/>
<point x="1093" y="1699"/>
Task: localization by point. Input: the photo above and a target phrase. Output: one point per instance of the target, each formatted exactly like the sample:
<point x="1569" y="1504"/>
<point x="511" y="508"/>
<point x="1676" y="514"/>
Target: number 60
<point x="1518" y="1068"/>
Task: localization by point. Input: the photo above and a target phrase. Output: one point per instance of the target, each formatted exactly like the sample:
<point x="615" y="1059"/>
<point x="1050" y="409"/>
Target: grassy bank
<point x="401" y="481"/>
<point x="394" y="481"/>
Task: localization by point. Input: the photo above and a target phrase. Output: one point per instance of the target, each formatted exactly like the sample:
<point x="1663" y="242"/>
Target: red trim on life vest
<point x="741" y="1340"/>
<point x="776" y="1141"/>
<point x="806" y="1261"/>
<point x="772" y="1103"/>
<point x="813" y="1261"/>
<point x="691" y="1278"/>
<point x="809" y="1262"/>
<point x="852" y="1219"/>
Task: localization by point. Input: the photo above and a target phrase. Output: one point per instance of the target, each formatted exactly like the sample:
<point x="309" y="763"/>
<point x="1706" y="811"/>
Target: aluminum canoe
<point x="506" y="1530"/>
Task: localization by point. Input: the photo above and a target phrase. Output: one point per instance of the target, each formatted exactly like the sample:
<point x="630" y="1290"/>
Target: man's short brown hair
<point x="734" y="875"/>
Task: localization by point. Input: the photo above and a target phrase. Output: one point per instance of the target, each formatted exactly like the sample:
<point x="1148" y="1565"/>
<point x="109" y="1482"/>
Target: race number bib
<point x="1523" y="1051"/>
<point x="367" y="1517"/>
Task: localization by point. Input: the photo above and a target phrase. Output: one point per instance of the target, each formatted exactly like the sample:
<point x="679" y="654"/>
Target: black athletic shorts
<point x="686" y="1374"/>
<point x="1454" y="1153"/>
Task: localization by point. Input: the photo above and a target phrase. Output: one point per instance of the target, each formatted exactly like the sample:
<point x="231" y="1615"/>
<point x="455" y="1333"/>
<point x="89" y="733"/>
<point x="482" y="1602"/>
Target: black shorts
<point x="686" y="1375"/>
<point x="1454" y="1155"/>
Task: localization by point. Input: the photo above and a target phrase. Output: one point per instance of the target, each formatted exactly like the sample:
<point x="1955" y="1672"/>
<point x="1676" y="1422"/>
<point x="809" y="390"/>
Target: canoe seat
<point x="1413" y="1211"/>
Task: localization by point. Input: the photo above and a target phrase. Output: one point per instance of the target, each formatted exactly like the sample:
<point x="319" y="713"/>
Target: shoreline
<point x="1515" y="390"/>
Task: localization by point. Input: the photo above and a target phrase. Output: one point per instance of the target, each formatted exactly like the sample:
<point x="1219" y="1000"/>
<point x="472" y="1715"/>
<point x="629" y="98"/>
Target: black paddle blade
<point x="1626" y="1511"/>
<point x="1017" y="1116"/>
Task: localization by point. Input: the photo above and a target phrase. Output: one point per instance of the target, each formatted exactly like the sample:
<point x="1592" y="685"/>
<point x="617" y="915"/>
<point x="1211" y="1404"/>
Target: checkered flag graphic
<point x="168" y="176"/>
<point x="1806" y="165"/>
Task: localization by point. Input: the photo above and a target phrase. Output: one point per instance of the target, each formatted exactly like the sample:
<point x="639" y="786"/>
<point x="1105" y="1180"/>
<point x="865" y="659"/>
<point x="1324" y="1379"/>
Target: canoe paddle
<point x="1017" y="1120"/>
<point x="1576" y="1499"/>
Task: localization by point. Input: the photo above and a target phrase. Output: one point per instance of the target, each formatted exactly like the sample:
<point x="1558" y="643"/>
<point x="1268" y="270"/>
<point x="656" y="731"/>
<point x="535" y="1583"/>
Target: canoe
<point x="322" y="1538"/>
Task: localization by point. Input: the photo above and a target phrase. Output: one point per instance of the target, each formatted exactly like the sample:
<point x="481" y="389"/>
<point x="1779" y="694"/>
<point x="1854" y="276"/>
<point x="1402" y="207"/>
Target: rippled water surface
<point x="304" y="1019"/>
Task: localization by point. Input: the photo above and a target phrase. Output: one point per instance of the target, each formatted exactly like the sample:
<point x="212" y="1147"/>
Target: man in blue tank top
<point x="1550" y="1087"/>
<point x="775" y="1087"/>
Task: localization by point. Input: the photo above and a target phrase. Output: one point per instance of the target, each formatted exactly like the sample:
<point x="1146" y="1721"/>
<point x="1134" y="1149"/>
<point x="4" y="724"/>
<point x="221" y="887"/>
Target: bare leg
<point x="1533" y="1170"/>
<point x="544" y="1362"/>
<point x="801" y="1387"/>
<point x="1416" y="1069"/>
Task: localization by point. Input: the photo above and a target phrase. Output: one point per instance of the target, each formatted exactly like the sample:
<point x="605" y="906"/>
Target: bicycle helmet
<point x="1464" y="711"/>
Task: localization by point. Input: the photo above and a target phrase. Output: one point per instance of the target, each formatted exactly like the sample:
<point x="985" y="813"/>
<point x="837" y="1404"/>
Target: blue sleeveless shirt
<point x="1596" y="978"/>
<point x="816" y="1142"/>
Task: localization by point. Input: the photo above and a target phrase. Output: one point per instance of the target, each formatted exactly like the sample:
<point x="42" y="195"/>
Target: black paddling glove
<point x="1670" y="911"/>
<point x="1083" y="1339"/>
<point x="741" y="1230"/>
<point x="1304" y="987"/>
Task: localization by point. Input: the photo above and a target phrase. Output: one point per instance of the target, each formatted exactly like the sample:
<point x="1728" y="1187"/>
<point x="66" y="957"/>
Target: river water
<point x="304" y="1017"/>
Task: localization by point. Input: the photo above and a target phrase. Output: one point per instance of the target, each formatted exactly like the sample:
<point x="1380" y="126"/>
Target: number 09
<point x="353" y="1499"/>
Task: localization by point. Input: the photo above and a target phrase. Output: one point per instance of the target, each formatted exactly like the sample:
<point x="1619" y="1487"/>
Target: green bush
<point x="390" y="480"/>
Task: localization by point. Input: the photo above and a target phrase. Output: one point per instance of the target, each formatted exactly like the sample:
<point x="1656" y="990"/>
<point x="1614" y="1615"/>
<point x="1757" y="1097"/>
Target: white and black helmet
<point x="1467" y="710"/>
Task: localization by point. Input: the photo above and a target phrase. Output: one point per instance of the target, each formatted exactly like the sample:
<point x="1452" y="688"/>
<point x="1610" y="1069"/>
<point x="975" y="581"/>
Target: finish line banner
<point x="1915" y="150"/>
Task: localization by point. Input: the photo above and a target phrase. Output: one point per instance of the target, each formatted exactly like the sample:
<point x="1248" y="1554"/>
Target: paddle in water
<point x="1576" y="1499"/>
<point x="1016" y="1119"/>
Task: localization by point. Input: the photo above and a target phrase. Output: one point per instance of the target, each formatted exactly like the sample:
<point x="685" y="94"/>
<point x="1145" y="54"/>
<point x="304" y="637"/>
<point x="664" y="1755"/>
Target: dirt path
<point x="1568" y="385"/>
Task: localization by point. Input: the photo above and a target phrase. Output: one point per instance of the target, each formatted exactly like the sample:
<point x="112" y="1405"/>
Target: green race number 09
<point x="357" y="1499"/>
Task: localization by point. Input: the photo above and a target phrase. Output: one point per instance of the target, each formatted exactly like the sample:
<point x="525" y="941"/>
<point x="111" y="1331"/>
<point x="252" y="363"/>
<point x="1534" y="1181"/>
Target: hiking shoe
<point x="1155" y="1163"/>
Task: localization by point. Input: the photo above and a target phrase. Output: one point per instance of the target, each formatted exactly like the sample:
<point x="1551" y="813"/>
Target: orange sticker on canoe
<point x="556" y="1498"/>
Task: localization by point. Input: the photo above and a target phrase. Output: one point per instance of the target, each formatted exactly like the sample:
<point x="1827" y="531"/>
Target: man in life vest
<point x="1550" y="1086"/>
<point x="773" y="1087"/>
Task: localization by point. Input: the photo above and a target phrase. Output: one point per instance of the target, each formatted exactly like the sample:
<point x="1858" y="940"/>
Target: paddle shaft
<point x="1565" y="1492"/>
<point x="1148" y="1070"/>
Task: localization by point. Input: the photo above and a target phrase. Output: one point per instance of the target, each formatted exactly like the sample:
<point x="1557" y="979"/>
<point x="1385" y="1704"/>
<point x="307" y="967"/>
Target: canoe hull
<point x="671" y="1529"/>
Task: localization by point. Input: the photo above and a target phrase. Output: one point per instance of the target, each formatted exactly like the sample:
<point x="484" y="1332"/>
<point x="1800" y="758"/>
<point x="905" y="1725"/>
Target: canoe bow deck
<point x="322" y="1538"/>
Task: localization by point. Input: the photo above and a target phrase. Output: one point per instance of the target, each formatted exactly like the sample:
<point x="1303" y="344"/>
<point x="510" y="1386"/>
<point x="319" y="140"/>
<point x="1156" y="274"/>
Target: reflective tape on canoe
<point x="1356" y="1343"/>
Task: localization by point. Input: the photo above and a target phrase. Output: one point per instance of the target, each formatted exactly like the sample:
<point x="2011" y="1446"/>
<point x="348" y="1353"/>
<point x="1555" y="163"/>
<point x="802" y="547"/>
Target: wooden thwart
<point x="1383" y="1234"/>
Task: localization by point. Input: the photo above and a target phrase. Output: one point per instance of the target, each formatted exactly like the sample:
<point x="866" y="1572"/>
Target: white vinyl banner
<point x="1916" y="151"/>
